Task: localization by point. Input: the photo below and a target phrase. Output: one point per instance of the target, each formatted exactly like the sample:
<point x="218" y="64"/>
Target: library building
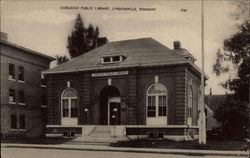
<point x="132" y="88"/>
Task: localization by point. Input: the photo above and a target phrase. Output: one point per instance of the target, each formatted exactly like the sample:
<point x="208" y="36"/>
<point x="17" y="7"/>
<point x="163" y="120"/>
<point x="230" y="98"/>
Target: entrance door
<point x="114" y="110"/>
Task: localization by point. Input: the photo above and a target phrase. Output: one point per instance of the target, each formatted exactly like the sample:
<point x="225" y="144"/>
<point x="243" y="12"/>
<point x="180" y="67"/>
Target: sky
<point x="44" y="26"/>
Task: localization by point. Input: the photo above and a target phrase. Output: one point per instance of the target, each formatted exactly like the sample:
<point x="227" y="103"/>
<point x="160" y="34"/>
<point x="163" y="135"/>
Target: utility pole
<point x="248" y="100"/>
<point x="202" y="124"/>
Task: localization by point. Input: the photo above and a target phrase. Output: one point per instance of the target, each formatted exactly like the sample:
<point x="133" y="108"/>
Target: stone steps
<point x="99" y="135"/>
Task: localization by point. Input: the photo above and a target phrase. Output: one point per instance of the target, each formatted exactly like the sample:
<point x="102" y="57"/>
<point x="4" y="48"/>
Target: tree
<point x="233" y="115"/>
<point x="82" y="39"/>
<point x="61" y="59"/>
<point x="237" y="52"/>
<point x="77" y="43"/>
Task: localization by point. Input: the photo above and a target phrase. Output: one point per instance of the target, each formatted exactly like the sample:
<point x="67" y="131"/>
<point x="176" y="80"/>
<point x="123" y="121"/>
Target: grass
<point x="168" y="144"/>
<point x="39" y="140"/>
<point x="232" y="145"/>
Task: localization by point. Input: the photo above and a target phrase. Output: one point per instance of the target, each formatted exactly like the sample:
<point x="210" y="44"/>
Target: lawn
<point x="168" y="144"/>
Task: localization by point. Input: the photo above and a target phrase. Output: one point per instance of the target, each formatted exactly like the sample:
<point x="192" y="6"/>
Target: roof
<point x="213" y="101"/>
<point x="184" y="52"/>
<point x="26" y="50"/>
<point x="138" y="52"/>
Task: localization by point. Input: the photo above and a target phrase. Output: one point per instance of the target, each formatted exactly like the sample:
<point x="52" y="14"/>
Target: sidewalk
<point x="87" y="147"/>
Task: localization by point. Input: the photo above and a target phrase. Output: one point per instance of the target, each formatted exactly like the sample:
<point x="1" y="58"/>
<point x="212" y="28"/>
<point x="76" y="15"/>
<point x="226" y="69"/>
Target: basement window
<point x="66" y="134"/>
<point x="160" y="135"/>
<point x="72" y="134"/>
<point x="151" y="135"/>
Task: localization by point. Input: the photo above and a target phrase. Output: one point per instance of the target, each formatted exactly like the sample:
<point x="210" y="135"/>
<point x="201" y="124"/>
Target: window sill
<point x="193" y="126"/>
<point x="14" y="130"/>
<point x="22" y="130"/>
<point x="112" y="62"/>
<point x="20" y="81"/>
<point x="10" y="102"/>
<point x="22" y="103"/>
<point x="43" y="86"/>
<point x="156" y="116"/>
<point x="11" y="79"/>
<point x="44" y="106"/>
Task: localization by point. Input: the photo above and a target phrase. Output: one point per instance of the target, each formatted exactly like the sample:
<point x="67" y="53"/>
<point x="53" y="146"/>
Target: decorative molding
<point x="113" y="73"/>
<point x="156" y="79"/>
<point x="109" y="81"/>
<point x="68" y="84"/>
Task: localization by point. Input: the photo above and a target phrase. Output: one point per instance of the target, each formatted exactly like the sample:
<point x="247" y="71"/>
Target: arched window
<point x="157" y="100"/>
<point x="69" y="103"/>
<point x="190" y="105"/>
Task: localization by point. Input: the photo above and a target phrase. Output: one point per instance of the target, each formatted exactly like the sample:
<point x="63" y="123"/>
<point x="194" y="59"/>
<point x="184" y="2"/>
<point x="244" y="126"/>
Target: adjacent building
<point x="135" y="88"/>
<point x="212" y="103"/>
<point x="23" y="91"/>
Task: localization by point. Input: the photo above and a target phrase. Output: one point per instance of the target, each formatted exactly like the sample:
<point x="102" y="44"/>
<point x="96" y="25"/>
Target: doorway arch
<point x="109" y="102"/>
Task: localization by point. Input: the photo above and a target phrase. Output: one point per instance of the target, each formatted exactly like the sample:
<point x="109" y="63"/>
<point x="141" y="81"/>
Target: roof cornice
<point x="26" y="50"/>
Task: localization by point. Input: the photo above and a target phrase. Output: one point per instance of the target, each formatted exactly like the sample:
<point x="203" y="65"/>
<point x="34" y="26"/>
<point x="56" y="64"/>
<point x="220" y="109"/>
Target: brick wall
<point x="132" y="88"/>
<point x="35" y="117"/>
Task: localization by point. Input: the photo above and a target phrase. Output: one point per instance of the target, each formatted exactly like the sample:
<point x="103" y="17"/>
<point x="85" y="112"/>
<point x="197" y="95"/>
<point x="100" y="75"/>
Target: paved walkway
<point x="88" y="147"/>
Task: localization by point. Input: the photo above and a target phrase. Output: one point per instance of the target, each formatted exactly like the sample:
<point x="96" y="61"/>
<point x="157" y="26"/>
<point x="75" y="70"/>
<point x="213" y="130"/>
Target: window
<point x="113" y="59"/>
<point x="69" y="103"/>
<point x="190" y="105"/>
<point x="21" y="96"/>
<point x="13" y="122"/>
<point x="73" y="108"/>
<point x="44" y="99"/>
<point x="162" y="106"/>
<point x="43" y="81"/>
<point x="107" y="60"/>
<point x="65" y="106"/>
<point x="116" y="58"/>
<point x="20" y="73"/>
<point x="151" y="106"/>
<point x="11" y="71"/>
<point x="156" y="101"/>
<point x="22" y="121"/>
<point x="12" y="95"/>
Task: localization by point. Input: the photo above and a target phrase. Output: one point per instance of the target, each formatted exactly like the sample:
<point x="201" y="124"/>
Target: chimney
<point x="4" y="36"/>
<point x="177" y="45"/>
<point x="210" y="91"/>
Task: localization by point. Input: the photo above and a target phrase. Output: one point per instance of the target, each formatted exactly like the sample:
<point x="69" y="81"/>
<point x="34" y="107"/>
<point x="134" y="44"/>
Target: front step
<point x="102" y="131"/>
<point x="100" y="135"/>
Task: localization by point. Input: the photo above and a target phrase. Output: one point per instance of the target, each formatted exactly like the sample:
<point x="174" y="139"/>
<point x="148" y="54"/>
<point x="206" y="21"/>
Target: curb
<point x="143" y="150"/>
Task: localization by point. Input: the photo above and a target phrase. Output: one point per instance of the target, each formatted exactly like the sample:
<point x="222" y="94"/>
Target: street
<point x="55" y="153"/>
